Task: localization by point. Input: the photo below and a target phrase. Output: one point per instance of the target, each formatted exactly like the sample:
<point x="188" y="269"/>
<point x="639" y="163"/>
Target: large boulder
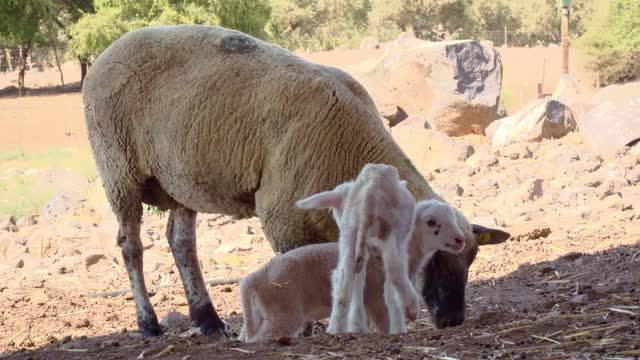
<point x="541" y="119"/>
<point x="454" y="85"/>
<point x="613" y="120"/>
<point x="431" y="149"/>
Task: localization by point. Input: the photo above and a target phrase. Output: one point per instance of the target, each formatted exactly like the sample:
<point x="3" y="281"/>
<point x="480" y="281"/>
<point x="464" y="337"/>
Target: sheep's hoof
<point x="150" y="329"/>
<point x="209" y="330"/>
<point x="208" y="321"/>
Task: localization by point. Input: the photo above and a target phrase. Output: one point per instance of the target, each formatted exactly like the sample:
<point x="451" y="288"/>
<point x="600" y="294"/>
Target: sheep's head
<point x="445" y="275"/>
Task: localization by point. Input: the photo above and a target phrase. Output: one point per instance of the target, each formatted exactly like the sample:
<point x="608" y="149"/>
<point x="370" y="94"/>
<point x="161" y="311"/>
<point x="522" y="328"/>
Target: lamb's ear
<point x="488" y="236"/>
<point x="323" y="200"/>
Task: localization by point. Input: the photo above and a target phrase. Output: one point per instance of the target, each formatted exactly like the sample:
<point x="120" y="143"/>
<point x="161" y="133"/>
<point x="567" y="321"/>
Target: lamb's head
<point x="445" y="275"/>
<point x="436" y="223"/>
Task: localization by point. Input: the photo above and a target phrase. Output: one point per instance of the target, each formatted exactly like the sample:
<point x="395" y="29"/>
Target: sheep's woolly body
<point x="212" y="120"/>
<point x="224" y="123"/>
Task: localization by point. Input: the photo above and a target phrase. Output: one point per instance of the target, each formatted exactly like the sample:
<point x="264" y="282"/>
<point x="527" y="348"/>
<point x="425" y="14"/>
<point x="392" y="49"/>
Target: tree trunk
<point x="22" y="64"/>
<point x="55" y="53"/>
<point x="7" y="51"/>
<point x="84" y="62"/>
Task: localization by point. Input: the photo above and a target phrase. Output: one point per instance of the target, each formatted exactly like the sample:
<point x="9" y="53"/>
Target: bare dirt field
<point x="565" y="286"/>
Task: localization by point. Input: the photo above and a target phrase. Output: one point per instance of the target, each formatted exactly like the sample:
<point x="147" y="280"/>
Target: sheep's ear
<point x="488" y="236"/>
<point x="323" y="200"/>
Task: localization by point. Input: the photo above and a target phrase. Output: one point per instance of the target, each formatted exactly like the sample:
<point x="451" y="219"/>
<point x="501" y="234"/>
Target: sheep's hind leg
<point x="131" y="246"/>
<point x="181" y="233"/>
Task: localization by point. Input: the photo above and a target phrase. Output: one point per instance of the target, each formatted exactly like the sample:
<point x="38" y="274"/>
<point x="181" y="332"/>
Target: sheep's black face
<point x="445" y="279"/>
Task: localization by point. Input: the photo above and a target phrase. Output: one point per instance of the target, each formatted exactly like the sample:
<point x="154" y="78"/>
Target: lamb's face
<point x="439" y="229"/>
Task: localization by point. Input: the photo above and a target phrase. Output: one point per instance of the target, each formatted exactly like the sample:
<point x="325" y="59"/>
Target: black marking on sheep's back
<point x="238" y="44"/>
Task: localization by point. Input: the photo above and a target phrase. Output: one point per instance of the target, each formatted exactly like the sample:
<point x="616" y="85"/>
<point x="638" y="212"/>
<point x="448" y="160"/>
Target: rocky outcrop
<point x="454" y="85"/>
<point x="542" y="119"/>
<point x="613" y="120"/>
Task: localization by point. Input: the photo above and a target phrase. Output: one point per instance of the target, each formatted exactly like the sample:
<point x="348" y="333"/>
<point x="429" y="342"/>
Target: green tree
<point x="21" y="23"/>
<point x="95" y="31"/>
<point x="613" y="39"/>
<point x="490" y="17"/>
<point x="248" y="16"/>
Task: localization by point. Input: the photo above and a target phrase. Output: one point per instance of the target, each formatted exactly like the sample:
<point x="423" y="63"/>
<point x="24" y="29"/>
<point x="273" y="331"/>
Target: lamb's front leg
<point x="396" y="270"/>
<point x="181" y="233"/>
<point x="341" y="291"/>
<point x="394" y="309"/>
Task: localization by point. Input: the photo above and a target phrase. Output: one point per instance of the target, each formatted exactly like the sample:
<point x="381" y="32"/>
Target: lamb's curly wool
<point x="206" y="119"/>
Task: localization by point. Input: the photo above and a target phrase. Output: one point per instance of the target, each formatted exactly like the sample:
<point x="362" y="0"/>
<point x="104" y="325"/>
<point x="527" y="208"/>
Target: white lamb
<point x="295" y="288"/>
<point x="377" y="211"/>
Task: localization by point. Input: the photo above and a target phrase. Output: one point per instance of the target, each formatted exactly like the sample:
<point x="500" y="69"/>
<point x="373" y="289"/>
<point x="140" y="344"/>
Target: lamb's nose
<point x="459" y="241"/>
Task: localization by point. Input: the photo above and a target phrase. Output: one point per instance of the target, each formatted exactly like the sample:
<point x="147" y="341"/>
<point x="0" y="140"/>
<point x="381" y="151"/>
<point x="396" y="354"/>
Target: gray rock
<point x="27" y="221"/>
<point x="631" y="197"/>
<point x="531" y="189"/>
<point x="414" y="122"/>
<point x="541" y="119"/>
<point x="8" y="223"/>
<point x="491" y="129"/>
<point x="393" y="115"/>
<point x="93" y="259"/>
<point x="613" y="120"/>
<point x="515" y="151"/>
<point x="610" y="186"/>
<point x="175" y="320"/>
<point x="633" y="176"/>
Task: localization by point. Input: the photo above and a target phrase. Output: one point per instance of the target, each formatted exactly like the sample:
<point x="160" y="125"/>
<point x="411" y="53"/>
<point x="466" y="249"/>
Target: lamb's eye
<point x="431" y="223"/>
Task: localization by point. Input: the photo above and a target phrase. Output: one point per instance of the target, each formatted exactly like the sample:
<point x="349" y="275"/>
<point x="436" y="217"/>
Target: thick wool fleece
<point x="217" y="121"/>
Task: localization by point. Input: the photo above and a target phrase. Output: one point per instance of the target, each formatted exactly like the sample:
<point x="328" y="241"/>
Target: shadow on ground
<point x="14" y="92"/>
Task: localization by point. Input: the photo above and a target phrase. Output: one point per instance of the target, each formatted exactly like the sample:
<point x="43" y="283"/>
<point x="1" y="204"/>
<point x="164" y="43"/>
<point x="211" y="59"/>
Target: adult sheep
<point x="206" y="119"/>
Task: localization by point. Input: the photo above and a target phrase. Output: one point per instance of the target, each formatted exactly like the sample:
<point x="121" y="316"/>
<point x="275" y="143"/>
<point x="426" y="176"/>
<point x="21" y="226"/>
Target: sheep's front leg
<point x="358" y="322"/>
<point x="181" y="233"/>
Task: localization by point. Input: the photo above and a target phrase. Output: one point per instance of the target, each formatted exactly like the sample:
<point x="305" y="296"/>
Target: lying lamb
<point x="295" y="288"/>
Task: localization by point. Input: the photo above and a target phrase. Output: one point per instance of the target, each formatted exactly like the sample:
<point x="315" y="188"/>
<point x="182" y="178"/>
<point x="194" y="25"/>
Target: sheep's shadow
<point x="531" y="289"/>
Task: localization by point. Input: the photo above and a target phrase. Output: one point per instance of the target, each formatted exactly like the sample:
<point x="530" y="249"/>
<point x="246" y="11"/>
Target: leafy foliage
<point x="610" y="27"/>
<point x="613" y="38"/>
<point x="93" y="33"/>
<point x="21" y="20"/>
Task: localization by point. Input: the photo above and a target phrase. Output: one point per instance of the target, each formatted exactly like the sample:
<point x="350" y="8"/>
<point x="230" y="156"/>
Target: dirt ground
<point x="565" y="286"/>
